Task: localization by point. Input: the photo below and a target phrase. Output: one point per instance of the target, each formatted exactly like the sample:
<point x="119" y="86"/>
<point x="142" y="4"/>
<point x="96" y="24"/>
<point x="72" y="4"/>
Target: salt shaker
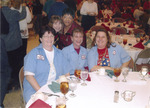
<point x="116" y="96"/>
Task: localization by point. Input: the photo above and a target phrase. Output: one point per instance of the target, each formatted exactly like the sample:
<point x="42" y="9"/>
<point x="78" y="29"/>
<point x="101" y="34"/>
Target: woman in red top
<point x="69" y="25"/>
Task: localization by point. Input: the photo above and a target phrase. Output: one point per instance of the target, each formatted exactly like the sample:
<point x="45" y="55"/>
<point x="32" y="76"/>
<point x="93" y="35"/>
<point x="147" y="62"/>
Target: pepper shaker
<point x="116" y="96"/>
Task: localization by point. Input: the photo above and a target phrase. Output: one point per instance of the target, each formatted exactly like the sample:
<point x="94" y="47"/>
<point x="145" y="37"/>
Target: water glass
<point x="60" y="102"/>
<point x="144" y="71"/>
<point x="84" y="76"/>
<point x="72" y="85"/>
<point x="125" y="72"/>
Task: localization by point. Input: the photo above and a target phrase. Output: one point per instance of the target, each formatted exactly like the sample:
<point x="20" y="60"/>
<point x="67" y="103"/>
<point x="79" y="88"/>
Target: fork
<point x="49" y="94"/>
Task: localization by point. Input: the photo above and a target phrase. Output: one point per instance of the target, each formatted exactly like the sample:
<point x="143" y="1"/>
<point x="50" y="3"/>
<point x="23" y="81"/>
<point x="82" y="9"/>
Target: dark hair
<point x="77" y="30"/>
<point x="107" y="35"/>
<point x="53" y="19"/>
<point x="68" y="11"/>
<point x="46" y="29"/>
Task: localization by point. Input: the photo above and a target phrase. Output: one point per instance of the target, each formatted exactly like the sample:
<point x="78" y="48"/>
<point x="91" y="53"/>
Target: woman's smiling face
<point x="67" y="20"/>
<point x="47" y="40"/>
<point x="101" y="40"/>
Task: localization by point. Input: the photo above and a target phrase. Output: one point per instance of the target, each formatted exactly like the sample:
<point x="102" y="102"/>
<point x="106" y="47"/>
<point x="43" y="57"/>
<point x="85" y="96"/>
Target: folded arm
<point x="33" y="82"/>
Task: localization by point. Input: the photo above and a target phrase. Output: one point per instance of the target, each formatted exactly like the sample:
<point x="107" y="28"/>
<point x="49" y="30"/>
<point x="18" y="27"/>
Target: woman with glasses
<point x="43" y="64"/>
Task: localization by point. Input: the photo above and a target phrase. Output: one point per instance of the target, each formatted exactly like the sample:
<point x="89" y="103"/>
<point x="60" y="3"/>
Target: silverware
<point x="49" y="94"/>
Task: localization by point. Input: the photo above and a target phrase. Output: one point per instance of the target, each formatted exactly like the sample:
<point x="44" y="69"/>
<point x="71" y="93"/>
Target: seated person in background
<point x="43" y="64"/>
<point x="75" y="54"/>
<point x="56" y="23"/>
<point x="106" y="54"/>
<point x="116" y="12"/>
<point x="69" y="25"/>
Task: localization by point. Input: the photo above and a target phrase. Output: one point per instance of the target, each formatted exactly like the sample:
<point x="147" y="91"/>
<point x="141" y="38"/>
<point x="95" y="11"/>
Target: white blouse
<point x="89" y="7"/>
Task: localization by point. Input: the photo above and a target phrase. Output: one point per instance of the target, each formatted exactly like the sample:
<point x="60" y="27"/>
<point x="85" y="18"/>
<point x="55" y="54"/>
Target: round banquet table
<point x="99" y="92"/>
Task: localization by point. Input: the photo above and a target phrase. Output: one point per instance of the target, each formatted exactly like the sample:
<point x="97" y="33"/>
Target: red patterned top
<point x="103" y="57"/>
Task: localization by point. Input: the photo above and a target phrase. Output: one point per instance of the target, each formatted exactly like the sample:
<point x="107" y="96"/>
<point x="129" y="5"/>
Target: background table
<point x="99" y="92"/>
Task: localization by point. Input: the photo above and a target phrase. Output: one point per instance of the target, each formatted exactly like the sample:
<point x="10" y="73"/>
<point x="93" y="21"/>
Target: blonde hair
<point x="55" y="18"/>
<point x="5" y="2"/>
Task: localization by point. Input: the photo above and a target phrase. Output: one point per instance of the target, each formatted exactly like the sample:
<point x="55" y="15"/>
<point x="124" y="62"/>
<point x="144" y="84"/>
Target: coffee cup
<point x="101" y="71"/>
<point x="39" y="95"/>
<point x="128" y="95"/>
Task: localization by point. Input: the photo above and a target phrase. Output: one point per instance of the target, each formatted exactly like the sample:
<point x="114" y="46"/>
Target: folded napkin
<point x="39" y="104"/>
<point x="131" y="26"/>
<point x="110" y="73"/>
<point x="127" y="22"/>
<point x="88" y="79"/>
<point x="139" y="45"/>
<point x="107" y="28"/>
<point x="147" y="42"/>
<point x="137" y="35"/>
<point x="106" y="20"/>
<point x="55" y="87"/>
<point x="119" y="25"/>
<point x="109" y="24"/>
<point x="108" y="16"/>
<point x="118" y="32"/>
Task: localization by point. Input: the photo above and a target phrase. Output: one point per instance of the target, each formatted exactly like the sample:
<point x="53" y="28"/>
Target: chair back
<point x="131" y="64"/>
<point x="21" y="78"/>
<point x="118" y="20"/>
<point x="96" y="28"/>
<point x="145" y="53"/>
<point x="121" y="29"/>
<point x="137" y="31"/>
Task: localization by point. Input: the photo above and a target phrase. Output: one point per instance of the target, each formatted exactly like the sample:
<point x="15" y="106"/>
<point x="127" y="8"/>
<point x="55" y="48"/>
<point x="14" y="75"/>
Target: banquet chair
<point x="121" y="29"/>
<point x="131" y="64"/>
<point x="95" y="28"/>
<point x="21" y="78"/>
<point x="118" y="20"/>
<point x="145" y="54"/>
<point x="137" y="31"/>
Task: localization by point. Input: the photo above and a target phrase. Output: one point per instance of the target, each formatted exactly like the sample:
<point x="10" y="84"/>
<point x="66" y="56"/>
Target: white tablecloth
<point x="132" y="51"/>
<point x="99" y="92"/>
<point x="117" y="24"/>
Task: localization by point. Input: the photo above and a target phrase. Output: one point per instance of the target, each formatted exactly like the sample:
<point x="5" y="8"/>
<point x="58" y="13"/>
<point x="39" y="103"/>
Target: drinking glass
<point x="144" y="71"/>
<point x="84" y="76"/>
<point x="114" y="31"/>
<point x="125" y="72"/>
<point x="77" y="73"/>
<point x="137" y="39"/>
<point x="60" y="102"/>
<point x="125" y="41"/>
<point x="72" y="86"/>
<point x="117" y="72"/>
<point x="120" y="40"/>
<point x="141" y="39"/>
<point x="64" y="88"/>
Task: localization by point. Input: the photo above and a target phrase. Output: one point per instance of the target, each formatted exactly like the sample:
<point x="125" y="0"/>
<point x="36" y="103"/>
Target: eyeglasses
<point x="48" y="36"/>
